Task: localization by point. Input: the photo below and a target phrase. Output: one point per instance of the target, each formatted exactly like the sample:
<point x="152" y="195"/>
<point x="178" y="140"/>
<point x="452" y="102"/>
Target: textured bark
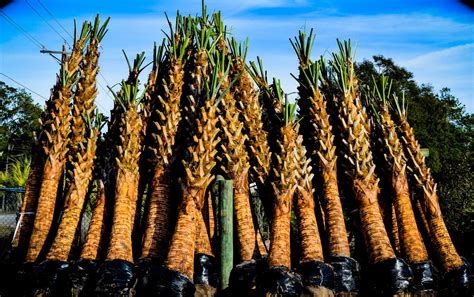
<point x="441" y="242"/>
<point x="74" y="202"/>
<point x="280" y="249"/>
<point x="157" y="234"/>
<point x="284" y="185"/>
<point x="91" y="247"/>
<point x="181" y="253"/>
<point x="198" y="168"/>
<point x="126" y="186"/>
<point x="46" y="204"/>
<point x="311" y="248"/>
<point x="373" y="229"/>
<point x="355" y="129"/>
<point x="203" y="244"/>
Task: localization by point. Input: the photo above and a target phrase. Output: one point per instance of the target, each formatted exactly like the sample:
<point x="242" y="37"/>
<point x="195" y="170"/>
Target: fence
<point x="10" y="203"/>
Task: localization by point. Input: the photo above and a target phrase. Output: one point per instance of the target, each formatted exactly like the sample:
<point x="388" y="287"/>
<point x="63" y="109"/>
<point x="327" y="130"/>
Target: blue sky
<point x="432" y="39"/>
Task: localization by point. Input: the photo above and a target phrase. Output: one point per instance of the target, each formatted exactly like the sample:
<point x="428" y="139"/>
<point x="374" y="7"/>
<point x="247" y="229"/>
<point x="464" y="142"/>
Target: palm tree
<point x="452" y="264"/>
<point x="198" y="165"/>
<point x="318" y="138"/>
<point x="84" y="133"/>
<point x="248" y="105"/>
<point x="119" y="258"/>
<point x="166" y="117"/>
<point x="54" y="143"/>
<point x="355" y="130"/>
<point x="411" y="243"/>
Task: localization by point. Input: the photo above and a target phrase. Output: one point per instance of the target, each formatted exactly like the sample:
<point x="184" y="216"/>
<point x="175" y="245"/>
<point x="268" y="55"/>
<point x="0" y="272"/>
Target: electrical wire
<point x="106" y="93"/>
<point x="23" y="31"/>
<point x="23" y="85"/>
<point x="46" y="21"/>
<point x="54" y="18"/>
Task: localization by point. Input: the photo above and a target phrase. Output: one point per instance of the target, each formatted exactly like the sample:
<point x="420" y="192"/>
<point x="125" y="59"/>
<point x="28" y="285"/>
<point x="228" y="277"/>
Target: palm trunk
<point x="29" y="204"/>
<point x="284" y="186"/>
<point x="198" y="176"/>
<point x="355" y="127"/>
<point x="74" y="203"/>
<point x="373" y="230"/>
<point x="243" y="215"/>
<point x="395" y="236"/>
<point x="411" y="242"/>
<point x="92" y="244"/>
<point x="310" y="242"/>
<point x="55" y="145"/>
<point x="46" y="203"/>
<point x="181" y="253"/>
<point x="440" y="240"/>
<point x="126" y="186"/>
<point x="157" y="233"/>
<point x="319" y="141"/>
<point x="203" y="244"/>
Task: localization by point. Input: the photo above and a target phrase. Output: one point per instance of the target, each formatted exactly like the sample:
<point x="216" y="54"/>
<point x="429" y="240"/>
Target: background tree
<point x="443" y="126"/>
<point x="18" y="122"/>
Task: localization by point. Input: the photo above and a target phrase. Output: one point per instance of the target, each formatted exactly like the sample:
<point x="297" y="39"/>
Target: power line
<point x="46" y="21"/>
<point x="57" y="22"/>
<point x="19" y="28"/>
<point x="104" y="78"/>
<point x="106" y="93"/>
<point x="23" y="86"/>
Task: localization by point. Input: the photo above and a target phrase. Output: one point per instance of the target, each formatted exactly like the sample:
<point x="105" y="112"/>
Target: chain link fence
<point x="10" y="203"/>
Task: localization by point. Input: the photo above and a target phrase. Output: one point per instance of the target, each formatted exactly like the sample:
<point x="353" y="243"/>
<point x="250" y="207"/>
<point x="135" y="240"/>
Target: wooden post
<point x="226" y="230"/>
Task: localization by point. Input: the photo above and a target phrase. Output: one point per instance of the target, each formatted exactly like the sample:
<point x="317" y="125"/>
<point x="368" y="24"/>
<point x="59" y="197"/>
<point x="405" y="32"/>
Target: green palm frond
<point x="303" y="45"/>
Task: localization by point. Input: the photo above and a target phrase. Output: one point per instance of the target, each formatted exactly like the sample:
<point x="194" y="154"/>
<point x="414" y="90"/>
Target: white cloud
<point x="452" y="67"/>
<point x="427" y="45"/>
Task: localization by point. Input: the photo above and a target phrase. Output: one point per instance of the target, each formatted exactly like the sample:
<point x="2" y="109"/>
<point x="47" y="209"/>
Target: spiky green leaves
<point x="303" y="45"/>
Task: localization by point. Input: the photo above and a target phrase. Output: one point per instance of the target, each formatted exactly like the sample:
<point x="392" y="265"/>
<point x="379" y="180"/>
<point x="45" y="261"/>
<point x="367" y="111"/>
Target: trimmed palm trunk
<point x="198" y="175"/>
<point x="248" y="105"/>
<point x="360" y="168"/>
<point x="146" y="164"/>
<point x="126" y="184"/>
<point x="74" y="200"/>
<point x="285" y="181"/>
<point x="409" y="237"/>
<point x="411" y="243"/>
<point x="92" y="244"/>
<point x="284" y="186"/>
<point x="55" y="144"/>
<point x="166" y="117"/>
<point x="82" y="147"/>
<point x="441" y="242"/>
<point x="319" y="141"/>
<point x="235" y="164"/>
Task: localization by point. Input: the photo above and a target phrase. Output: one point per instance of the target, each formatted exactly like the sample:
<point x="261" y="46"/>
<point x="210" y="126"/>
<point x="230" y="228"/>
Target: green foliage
<point x="16" y="174"/>
<point x="18" y="122"/>
<point x="442" y="126"/>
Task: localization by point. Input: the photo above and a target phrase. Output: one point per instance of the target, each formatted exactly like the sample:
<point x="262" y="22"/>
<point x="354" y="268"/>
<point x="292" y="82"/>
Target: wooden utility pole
<point x="226" y="230"/>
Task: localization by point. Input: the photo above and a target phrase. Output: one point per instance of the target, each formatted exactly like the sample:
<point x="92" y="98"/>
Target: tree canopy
<point x="18" y="122"/>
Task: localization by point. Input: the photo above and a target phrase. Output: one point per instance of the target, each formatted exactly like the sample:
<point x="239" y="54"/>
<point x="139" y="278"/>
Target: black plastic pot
<point x="346" y="274"/>
<point x="115" y="278"/>
<point x="280" y="281"/>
